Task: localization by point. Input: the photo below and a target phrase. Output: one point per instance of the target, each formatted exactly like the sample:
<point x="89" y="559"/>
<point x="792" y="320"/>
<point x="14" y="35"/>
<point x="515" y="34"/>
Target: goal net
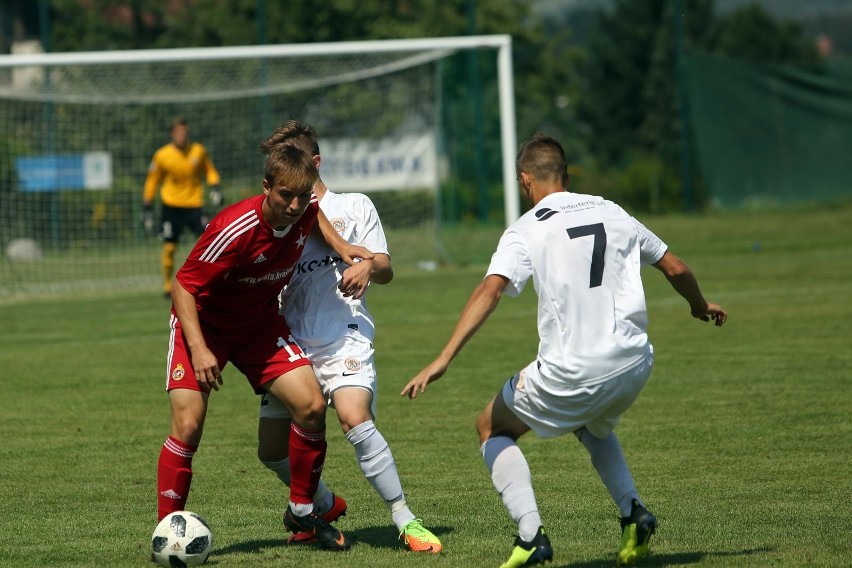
<point x="424" y="127"/>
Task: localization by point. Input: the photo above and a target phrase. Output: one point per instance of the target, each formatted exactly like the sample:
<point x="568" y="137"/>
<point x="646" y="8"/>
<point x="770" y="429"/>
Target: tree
<point x="631" y="103"/>
<point x="752" y="33"/>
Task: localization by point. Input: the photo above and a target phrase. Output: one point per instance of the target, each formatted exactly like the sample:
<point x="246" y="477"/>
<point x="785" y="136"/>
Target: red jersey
<point x="240" y="264"/>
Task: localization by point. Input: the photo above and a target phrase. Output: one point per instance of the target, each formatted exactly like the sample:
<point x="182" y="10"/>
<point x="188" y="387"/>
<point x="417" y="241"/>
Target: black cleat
<point x="326" y="535"/>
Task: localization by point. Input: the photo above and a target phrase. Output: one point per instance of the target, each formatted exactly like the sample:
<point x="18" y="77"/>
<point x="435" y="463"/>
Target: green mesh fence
<point x="769" y="133"/>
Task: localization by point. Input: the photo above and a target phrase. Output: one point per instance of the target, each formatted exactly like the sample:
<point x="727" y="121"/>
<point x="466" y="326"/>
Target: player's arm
<point x="381" y="271"/>
<point x="684" y="282"/>
<point x="372" y="236"/>
<point x="347" y="251"/>
<point x="213" y="181"/>
<point x="152" y="182"/>
<point x="204" y="363"/>
<point x="357" y="277"/>
<point x="213" y="178"/>
<point x="479" y="306"/>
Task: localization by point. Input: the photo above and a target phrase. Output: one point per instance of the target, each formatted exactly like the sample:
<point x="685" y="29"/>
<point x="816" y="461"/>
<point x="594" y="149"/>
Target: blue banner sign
<point x="91" y="170"/>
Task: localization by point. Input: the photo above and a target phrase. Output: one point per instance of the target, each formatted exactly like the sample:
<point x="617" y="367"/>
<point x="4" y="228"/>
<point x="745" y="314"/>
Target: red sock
<point x="307" y="456"/>
<point x="174" y="474"/>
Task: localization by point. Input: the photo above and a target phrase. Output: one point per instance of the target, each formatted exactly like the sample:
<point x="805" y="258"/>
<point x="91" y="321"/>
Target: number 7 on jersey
<point x="598" y="249"/>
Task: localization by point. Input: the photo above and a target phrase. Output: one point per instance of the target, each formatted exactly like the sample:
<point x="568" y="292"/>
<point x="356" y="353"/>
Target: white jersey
<point x="316" y="311"/>
<point x="584" y="255"/>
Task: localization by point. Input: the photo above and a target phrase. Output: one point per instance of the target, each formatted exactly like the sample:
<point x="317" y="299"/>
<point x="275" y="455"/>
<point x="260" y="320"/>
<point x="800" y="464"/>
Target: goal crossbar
<point x="502" y="43"/>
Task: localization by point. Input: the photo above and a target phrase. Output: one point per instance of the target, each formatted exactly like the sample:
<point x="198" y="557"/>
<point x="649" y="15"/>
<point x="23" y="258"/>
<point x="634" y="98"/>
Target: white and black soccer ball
<point x="181" y="539"/>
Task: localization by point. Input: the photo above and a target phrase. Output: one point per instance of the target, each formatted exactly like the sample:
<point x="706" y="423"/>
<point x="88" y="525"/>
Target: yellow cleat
<point x="636" y="531"/>
<point x="537" y="551"/>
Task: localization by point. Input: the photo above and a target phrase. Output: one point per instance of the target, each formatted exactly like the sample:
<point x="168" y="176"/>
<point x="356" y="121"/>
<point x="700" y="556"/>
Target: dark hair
<point x="295" y="133"/>
<point x="290" y="166"/>
<point x="178" y="121"/>
<point x="543" y="156"/>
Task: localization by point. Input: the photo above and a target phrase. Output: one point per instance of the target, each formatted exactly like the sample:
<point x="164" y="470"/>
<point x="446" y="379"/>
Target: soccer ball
<point x="181" y="539"/>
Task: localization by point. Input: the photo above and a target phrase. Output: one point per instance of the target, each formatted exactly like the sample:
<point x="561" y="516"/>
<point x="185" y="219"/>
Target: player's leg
<point x="273" y="436"/>
<point x="371" y="450"/>
<point x="608" y="460"/>
<point x="196" y="221"/>
<point x="188" y="409"/>
<point x="174" y="466"/>
<point x="499" y="428"/>
<point x="275" y="364"/>
<point x="597" y="436"/>
<point x="170" y="228"/>
<point x="354" y="410"/>
<point x="637" y="523"/>
<point x="299" y="391"/>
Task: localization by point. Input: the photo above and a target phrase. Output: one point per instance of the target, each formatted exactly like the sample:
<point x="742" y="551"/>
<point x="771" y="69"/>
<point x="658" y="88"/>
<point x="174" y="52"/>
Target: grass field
<point x="741" y="443"/>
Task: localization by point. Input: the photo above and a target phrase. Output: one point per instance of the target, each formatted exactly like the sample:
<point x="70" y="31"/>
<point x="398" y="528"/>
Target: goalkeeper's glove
<point x="216" y="197"/>
<point x="148" y="217"/>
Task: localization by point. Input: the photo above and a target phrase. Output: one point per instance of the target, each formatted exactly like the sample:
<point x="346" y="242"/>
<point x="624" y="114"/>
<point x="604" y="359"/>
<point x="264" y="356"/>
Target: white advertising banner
<point x="404" y="162"/>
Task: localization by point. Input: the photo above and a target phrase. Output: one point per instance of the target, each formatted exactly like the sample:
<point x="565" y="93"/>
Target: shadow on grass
<point x="386" y="536"/>
<point x="379" y="537"/>
<point x="249" y="546"/>
<point x="674" y="559"/>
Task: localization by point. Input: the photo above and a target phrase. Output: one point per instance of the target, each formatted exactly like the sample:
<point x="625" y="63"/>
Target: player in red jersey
<point x="225" y="309"/>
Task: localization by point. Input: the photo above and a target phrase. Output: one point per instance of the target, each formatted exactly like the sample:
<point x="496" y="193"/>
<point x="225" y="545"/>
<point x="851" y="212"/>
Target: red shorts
<point x="263" y="355"/>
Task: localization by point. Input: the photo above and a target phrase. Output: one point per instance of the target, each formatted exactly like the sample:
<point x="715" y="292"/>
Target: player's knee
<point x="350" y="420"/>
<point x="311" y="416"/>
<point x="483" y="427"/>
<point x="187" y="429"/>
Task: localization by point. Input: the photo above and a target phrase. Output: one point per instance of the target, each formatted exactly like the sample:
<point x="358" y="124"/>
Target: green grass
<point x="740" y="443"/>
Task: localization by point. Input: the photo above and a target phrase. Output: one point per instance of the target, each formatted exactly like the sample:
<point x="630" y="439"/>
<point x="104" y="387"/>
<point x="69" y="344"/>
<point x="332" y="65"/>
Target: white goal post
<point x="70" y="136"/>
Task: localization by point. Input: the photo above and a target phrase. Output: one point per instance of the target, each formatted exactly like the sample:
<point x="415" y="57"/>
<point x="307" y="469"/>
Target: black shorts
<point x="176" y="219"/>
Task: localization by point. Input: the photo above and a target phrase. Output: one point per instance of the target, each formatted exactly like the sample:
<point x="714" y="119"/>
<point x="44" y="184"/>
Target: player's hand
<point x="206" y="369"/>
<point x="431" y="373"/>
<point x="148" y="218"/>
<point x="355" y="279"/>
<point x="350" y="252"/>
<point x="713" y="312"/>
<point x="217" y="199"/>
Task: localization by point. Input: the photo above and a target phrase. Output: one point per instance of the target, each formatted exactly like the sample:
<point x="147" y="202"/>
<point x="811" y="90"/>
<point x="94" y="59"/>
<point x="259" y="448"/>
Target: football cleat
<point x="537" y="551"/>
<point x="338" y="509"/>
<point x="301" y="538"/>
<point x="419" y="539"/>
<point x="325" y="534"/>
<point x="636" y="531"/>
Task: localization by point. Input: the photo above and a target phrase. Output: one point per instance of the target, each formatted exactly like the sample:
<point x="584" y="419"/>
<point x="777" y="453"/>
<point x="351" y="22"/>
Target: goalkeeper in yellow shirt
<point x="179" y="168"/>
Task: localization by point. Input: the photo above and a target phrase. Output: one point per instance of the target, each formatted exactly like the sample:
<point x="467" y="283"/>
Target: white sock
<point x="377" y="463"/>
<point x="323" y="498"/>
<point x="301" y="509"/>
<point x="512" y="479"/>
<point x="608" y="460"/>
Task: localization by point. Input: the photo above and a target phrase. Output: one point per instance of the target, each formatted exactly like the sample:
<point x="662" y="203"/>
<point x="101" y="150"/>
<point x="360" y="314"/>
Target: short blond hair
<point x="290" y="166"/>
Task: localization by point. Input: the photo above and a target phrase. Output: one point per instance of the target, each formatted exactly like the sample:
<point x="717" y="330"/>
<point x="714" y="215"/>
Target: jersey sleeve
<point x="651" y="247"/>
<point x="512" y="260"/>
<point x="210" y="170"/>
<point x="153" y="179"/>
<point x="370" y="232"/>
<point x="208" y="261"/>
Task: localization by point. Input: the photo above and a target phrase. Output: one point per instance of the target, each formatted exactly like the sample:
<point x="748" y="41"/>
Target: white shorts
<point x="598" y="407"/>
<point x="347" y="362"/>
